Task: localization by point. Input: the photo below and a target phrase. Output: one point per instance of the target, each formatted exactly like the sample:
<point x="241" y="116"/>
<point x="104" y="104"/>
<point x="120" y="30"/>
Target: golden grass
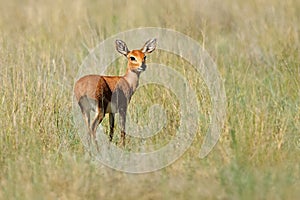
<point x="256" y="47"/>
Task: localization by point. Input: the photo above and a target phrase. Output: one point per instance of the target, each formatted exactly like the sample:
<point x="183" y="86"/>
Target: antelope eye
<point x="132" y="58"/>
<point x="145" y="57"/>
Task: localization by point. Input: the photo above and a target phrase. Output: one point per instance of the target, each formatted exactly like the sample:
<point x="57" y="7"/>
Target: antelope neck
<point x="132" y="78"/>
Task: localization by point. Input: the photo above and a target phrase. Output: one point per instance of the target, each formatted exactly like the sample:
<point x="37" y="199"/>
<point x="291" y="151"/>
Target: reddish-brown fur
<point x="111" y="94"/>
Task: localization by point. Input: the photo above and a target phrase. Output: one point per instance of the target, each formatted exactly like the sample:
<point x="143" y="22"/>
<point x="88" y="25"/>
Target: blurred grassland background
<point x="256" y="47"/>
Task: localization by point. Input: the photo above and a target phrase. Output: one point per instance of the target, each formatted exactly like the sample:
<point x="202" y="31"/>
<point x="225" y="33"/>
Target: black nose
<point x="144" y="66"/>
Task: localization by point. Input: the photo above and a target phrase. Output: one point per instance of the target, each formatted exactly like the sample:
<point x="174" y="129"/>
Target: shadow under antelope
<point x="111" y="94"/>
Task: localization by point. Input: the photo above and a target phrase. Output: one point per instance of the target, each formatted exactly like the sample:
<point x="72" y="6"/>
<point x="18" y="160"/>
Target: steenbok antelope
<point x="111" y="94"/>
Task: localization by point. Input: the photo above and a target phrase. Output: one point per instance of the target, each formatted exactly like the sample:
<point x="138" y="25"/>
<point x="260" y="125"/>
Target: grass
<point x="256" y="47"/>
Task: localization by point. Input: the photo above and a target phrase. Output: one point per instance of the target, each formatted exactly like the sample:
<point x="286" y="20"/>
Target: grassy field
<point x="256" y="45"/>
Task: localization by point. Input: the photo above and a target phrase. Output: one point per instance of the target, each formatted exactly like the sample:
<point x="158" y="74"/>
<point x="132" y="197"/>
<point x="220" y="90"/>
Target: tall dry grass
<point x="256" y="47"/>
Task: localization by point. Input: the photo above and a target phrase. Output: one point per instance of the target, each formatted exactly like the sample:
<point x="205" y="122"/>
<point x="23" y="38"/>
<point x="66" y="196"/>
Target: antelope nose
<point x="143" y="67"/>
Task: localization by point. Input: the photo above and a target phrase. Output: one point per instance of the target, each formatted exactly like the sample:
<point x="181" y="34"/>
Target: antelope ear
<point x="122" y="47"/>
<point x="149" y="46"/>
